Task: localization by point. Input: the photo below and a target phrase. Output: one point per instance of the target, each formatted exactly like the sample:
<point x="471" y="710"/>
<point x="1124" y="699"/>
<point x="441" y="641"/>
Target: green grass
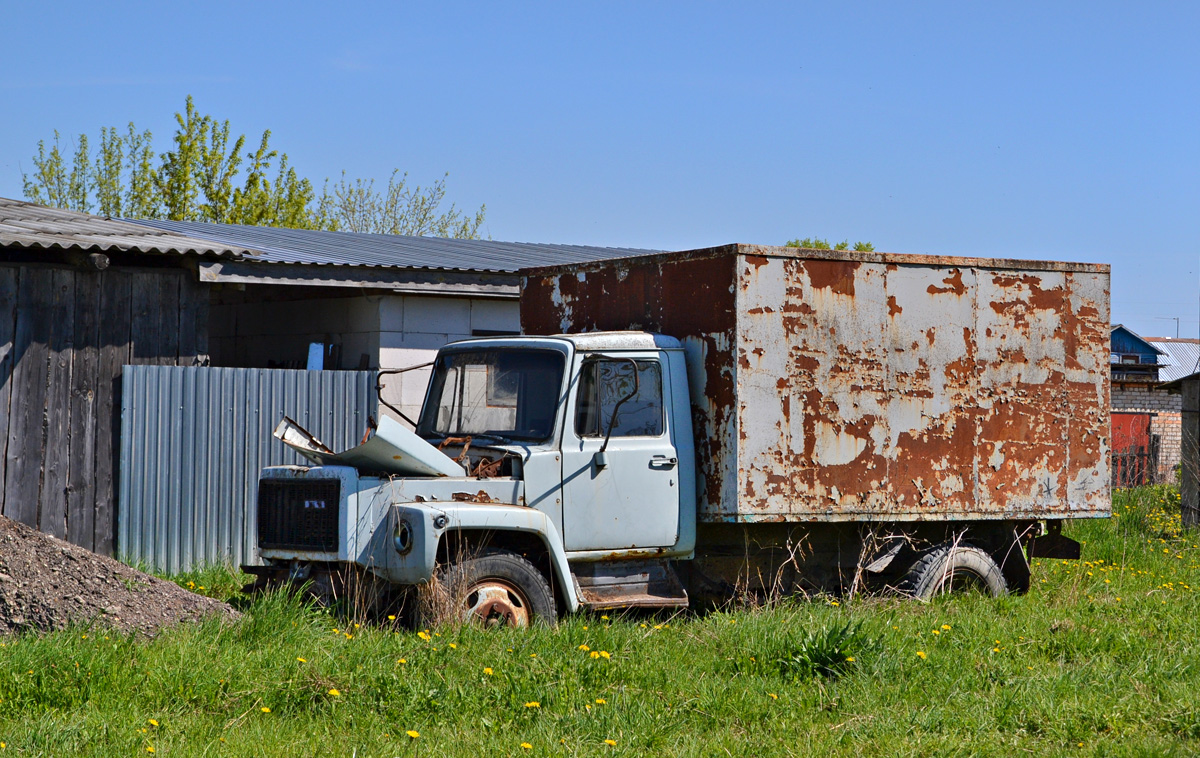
<point x="1100" y="658"/>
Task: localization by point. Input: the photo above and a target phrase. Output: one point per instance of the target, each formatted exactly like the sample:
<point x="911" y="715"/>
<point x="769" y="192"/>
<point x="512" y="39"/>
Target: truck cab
<point x="569" y="463"/>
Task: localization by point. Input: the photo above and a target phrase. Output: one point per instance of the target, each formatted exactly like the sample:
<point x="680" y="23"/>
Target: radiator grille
<point x="298" y="514"/>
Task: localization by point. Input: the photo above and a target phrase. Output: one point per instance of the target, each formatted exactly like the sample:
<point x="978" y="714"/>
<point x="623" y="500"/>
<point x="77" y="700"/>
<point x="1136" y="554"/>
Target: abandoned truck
<point x="743" y="419"/>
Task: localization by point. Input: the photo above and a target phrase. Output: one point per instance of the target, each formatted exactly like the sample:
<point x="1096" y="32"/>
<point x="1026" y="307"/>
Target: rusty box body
<point x="843" y="386"/>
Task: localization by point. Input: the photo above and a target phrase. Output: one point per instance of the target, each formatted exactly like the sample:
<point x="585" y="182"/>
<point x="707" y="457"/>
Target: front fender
<point x="427" y="523"/>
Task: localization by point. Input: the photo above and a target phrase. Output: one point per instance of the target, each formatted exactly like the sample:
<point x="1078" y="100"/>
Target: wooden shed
<point x="81" y="296"/>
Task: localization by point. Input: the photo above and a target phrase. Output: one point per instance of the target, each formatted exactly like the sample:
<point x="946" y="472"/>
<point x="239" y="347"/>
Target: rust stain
<point x="954" y="283"/>
<point x="835" y="276"/>
<point x="467" y="497"/>
<point x="893" y="309"/>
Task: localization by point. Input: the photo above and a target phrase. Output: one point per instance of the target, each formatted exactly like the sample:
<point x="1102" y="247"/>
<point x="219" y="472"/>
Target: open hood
<point x="390" y="449"/>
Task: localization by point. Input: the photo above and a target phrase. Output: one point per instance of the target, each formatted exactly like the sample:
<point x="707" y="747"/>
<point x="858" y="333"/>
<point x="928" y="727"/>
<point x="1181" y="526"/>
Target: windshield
<point x="505" y="393"/>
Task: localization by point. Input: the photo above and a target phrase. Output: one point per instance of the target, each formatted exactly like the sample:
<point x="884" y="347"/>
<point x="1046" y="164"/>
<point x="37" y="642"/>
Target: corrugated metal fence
<point x="193" y="441"/>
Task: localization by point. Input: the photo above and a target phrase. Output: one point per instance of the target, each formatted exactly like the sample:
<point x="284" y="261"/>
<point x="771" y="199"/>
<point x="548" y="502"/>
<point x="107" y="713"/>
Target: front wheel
<point x="955" y="568"/>
<point x="499" y="588"/>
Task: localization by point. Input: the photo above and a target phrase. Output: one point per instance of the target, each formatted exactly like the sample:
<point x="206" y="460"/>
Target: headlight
<point x="403" y="537"/>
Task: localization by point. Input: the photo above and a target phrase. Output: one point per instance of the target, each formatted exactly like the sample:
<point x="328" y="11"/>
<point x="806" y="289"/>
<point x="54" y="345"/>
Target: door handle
<point x="662" y="461"/>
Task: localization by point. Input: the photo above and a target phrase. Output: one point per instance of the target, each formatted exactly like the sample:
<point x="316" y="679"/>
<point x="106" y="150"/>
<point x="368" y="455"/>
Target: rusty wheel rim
<point x="495" y="602"/>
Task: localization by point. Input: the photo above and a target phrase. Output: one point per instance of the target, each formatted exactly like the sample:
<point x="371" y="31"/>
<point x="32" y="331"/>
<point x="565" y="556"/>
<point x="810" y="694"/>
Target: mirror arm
<point x="601" y="458"/>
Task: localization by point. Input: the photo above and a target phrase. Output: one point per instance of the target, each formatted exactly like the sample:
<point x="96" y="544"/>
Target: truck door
<point x="633" y="501"/>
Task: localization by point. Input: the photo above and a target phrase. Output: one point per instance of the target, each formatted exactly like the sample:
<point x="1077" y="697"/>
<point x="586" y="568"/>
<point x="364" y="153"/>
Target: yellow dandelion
<point x="946" y="627"/>
<point x="413" y="733"/>
<point x="488" y="671"/>
<point x="391" y="618"/>
<point x="302" y="660"/>
<point x="995" y="650"/>
<point x="334" y="693"/>
<point x="604" y="618"/>
<point x="921" y="654"/>
<point x="452" y="646"/>
<point x="265" y="709"/>
<point x="594" y="654"/>
<point x="610" y="743"/>
<point x="149" y="748"/>
<point x="527" y="746"/>
<point x="849" y="659"/>
<point x="401" y="660"/>
<point x="424" y="636"/>
<point x="152" y="722"/>
<point x="585" y="648"/>
<point x="935" y="631"/>
<point x="772" y="695"/>
<point x="834" y="602"/>
<point x="605" y="655"/>
<point x="533" y="704"/>
<point x="601" y="701"/>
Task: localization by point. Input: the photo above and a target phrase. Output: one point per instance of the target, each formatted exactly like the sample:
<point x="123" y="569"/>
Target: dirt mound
<point x="48" y="584"/>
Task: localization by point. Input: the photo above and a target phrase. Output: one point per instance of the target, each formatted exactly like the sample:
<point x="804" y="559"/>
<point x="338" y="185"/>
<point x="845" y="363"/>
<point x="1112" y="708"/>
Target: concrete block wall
<point x="413" y="327"/>
<point x="1167" y="423"/>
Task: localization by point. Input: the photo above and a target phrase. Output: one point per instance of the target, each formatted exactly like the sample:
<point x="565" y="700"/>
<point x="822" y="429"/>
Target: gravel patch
<point x="48" y="584"/>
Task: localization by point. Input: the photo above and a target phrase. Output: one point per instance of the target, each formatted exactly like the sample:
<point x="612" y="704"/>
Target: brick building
<point x="1146" y="416"/>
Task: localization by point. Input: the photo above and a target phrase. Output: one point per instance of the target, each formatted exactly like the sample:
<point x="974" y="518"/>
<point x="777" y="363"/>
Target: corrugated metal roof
<point x="1181" y="357"/>
<point x="356" y="249"/>
<point x="36" y="227"/>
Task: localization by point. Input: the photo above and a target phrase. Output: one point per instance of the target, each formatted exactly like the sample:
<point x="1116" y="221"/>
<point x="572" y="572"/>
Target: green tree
<point x="815" y="243"/>
<point x="207" y="175"/>
<point x="398" y="209"/>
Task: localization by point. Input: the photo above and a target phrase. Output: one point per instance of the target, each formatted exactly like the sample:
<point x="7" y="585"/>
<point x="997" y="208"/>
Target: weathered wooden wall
<point x="64" y="334"/>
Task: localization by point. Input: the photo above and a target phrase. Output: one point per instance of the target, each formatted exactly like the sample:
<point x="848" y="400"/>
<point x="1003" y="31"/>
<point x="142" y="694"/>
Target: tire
<point x="951" y="568"/>
<point x="500" y="588"/>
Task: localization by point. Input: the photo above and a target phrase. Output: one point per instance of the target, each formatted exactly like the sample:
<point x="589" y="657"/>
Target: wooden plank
<point x="85" y="380"/>
<point x="168" y="308"/>
<point x="115" y="352"/>
<point x="146" y="303"/>
<point x="193" y="323"/>
<point x="8" y="319"/>
<point x="26" y="435"/>
<point x="52" y="501"/>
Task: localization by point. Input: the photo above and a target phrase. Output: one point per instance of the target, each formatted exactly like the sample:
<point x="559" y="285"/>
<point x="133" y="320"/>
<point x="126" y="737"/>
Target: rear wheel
<point x="954" y="568"/>
<point x="499" y="588"/>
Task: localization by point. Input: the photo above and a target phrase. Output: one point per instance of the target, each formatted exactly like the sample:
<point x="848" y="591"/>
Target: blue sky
<point x="1065" y="131"/>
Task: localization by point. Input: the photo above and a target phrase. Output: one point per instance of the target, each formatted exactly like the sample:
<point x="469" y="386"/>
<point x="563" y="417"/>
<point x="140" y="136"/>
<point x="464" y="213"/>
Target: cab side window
<point x="602" y="384"/>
